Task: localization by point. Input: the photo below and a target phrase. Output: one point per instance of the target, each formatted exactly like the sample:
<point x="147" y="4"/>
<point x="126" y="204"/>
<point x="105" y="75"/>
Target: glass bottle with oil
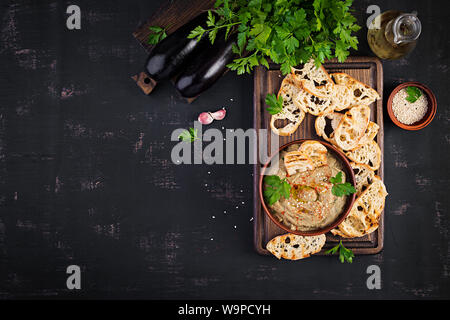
<point x="392" y="34"/>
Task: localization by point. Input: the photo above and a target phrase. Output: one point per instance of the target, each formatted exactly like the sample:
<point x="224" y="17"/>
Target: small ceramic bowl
<point x="348" y="205"/>
<point x="432" y="106"/>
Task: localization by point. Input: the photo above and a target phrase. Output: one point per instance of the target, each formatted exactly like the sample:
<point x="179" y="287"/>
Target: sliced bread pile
<point x="341" y="106"/>
<point x="311" y="89"/>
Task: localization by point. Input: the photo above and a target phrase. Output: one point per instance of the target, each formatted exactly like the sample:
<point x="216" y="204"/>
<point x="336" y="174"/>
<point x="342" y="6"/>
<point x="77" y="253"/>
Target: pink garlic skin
<point x="208" y="117"/>
<point x="205" y="118"/>
<point x="219" y="115"/>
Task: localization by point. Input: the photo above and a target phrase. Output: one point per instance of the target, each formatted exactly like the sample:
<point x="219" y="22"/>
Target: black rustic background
<point x="86" y="176"/>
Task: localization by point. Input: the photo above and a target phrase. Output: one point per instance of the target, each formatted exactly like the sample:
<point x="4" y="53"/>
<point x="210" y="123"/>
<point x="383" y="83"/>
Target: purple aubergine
<point x="170" y="55"/>
<point x="206" y="68"/>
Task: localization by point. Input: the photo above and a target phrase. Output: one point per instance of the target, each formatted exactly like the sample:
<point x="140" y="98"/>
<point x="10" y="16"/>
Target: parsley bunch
<point x="289" y="32"/>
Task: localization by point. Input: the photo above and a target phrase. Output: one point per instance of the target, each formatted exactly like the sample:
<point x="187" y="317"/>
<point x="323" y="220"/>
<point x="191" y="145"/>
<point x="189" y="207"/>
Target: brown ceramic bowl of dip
<point x="431" y="106"/>
<point x="347" y="205"/>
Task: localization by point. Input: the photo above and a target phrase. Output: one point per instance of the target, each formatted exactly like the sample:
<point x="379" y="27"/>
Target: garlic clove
<point x="219" y="115"/>
<point x="205" y="118"/>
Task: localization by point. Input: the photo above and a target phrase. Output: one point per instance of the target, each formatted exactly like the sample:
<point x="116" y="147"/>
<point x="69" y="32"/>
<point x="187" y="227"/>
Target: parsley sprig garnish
<point x="344" y="253"/>
<point x="341" y="189"/>
<point x="414" y="93"/>
<point x="275" y="105"/>
<point x="189" y="135"/>
<point x="275" y="188"/>
<point x="287" y="32"/>
<point x="157" y="34"/>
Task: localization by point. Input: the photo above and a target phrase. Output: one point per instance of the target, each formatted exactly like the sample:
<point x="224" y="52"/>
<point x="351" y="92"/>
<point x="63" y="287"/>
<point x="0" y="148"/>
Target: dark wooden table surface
<point x="86" y="176"/>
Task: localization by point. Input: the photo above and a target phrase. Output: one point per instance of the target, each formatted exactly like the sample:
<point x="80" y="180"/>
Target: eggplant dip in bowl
<point x="311" y="190"/>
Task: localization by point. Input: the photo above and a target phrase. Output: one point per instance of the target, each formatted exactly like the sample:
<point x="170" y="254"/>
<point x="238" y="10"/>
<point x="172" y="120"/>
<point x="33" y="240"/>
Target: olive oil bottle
<point x="392" y="34"/>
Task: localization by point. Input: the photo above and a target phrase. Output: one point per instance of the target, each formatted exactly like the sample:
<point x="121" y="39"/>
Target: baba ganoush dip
<point x="311" y="205"/>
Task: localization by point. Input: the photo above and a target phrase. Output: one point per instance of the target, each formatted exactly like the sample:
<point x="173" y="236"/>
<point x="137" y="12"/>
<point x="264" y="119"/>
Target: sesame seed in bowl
<point x="411" y="106"/>
<point x="406" y="111"/>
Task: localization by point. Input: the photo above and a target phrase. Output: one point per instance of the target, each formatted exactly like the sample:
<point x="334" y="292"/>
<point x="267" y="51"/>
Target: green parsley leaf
<point x="197" y="33"/>
<point x="157" y="34"/>
<point x="337" y="178"/>
<point x="275" y="188"/>
<point x="344" y="253"/>
<point x="414" y="93"/>
<point x="275" y="104"/>
<point x="340" y="189"/>
<point x="189" y="135"/>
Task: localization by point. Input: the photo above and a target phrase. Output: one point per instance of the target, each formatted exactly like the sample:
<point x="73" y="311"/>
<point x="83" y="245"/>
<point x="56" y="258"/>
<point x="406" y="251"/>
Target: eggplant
<point x="170" y="55"/>
<point x="207" y="67"/>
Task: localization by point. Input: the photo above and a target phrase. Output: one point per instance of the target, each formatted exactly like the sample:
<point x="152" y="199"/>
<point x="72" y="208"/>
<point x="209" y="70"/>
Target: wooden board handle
<point x="144" y="82"/>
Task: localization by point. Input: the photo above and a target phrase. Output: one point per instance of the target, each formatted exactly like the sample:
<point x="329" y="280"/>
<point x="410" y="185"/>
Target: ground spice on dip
<point x="407" y="112"/>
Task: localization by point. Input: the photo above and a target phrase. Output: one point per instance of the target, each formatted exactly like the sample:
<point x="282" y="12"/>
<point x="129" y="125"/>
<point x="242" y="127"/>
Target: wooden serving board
<point x="365" y="69"/>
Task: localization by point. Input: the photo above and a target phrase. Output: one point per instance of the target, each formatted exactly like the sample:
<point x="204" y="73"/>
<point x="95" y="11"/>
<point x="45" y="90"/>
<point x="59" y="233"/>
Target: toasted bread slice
<point x="325" y="125"/>
<point x="309" y="103"/>
<point x="362" y="94"/>
<point x="291" y="112"/>
<point x="370" y="134"/>
<point x="352" y="127"/>
<point x="316" y="151"/>
<point x="315" y="80"/>
<point x="323" y="92"/>
<point x="294" y="247"/>
<point x="341" y="98"/>
<point x="364" y="176"/>
<point x="365" y="213"/>
<point x="297" y="161"/>
<point x="369" y="154"/>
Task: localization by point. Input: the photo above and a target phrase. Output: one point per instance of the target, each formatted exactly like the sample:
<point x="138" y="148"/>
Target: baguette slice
<point x="366" y="211"/>
<point x="362" y="94"/>
<point x="316" y="151"/>
<point x="364" y="176"/>
<point x="316" y="80"/>
<point x="323" y="92"/>
<point x="352" y="127"/>
<point x="291" y="112"/>
<point x="370" y="134"/>
<point x="327" y="123"/>
<point x="369" y="154"/>
<point x="341" y="97"/>
<point x="297" y="161"/>
<point x="294" y="247"/>
<point x="309" y="103"/>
